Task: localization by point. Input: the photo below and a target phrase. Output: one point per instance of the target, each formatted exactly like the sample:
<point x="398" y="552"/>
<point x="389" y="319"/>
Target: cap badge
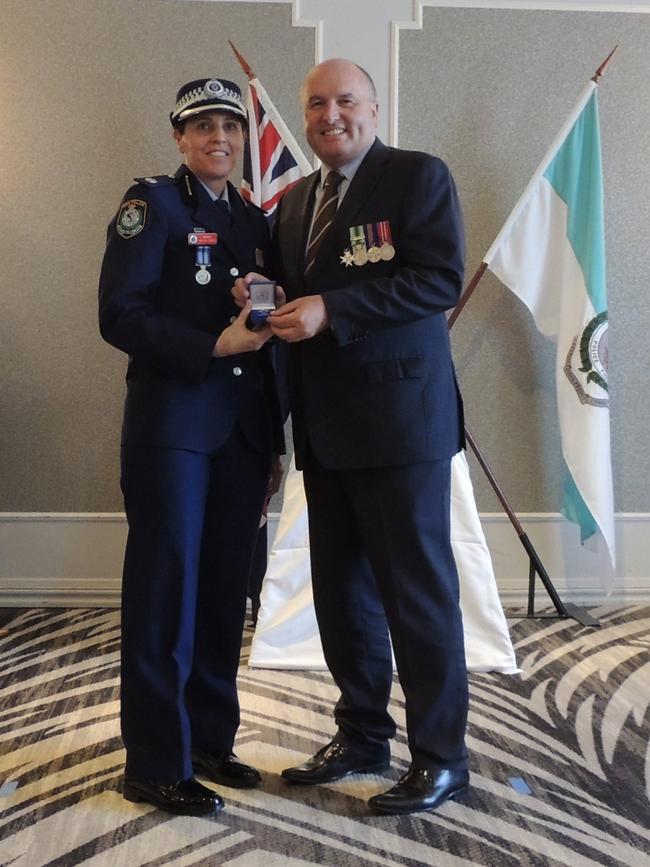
<point x="214" y="88"/>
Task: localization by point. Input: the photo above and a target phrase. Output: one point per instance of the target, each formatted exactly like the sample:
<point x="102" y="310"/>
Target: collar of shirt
<point x="214" y="196"/>
<point x="348" y="171"/>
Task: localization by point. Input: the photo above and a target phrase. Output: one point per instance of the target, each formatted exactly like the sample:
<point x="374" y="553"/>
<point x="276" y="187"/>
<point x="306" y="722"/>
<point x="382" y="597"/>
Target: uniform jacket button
<point x="234" y="272"/>
<point x="237" y="371"/>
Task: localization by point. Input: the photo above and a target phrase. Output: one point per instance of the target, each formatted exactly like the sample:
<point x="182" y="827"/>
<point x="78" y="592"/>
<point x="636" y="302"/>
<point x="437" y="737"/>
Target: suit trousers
<point x="382" y="564"/>
<point x="193" y="520"/>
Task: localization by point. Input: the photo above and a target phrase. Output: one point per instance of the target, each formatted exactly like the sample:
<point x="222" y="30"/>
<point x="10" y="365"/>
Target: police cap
<point x="207" y="94"/>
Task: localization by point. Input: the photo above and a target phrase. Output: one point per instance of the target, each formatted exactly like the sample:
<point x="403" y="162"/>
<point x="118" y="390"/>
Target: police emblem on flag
<point x="131" y="218"/>
<point x="593" y="357"/>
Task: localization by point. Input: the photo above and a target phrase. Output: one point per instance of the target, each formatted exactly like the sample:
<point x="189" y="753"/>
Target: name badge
<point x="202" y="239"/>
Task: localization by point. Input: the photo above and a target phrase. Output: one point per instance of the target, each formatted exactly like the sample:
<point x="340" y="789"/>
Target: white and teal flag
<point x="551" y="254"/>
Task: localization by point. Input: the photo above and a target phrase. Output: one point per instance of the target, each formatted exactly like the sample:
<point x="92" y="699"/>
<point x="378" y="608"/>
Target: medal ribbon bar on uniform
<point x="386" y="249"/>
<point x="373" y="243"/>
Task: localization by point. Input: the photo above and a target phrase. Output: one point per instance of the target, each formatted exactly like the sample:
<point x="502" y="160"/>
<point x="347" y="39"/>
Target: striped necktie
<point x="323" y="219"/>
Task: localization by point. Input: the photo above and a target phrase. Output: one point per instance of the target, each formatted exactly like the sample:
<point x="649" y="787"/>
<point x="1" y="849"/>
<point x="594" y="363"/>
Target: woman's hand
<point x="239" y="338"/>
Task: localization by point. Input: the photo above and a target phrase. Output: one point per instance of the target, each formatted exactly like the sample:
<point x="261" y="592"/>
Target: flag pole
<point x="284" y="131"/>
<point x="244" y="65"/>
<point x="535" y="564"/>
<point x="598" y="74"/>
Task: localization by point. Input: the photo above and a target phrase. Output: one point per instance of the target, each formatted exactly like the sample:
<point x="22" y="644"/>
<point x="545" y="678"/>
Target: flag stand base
<point x="576" y="612"/>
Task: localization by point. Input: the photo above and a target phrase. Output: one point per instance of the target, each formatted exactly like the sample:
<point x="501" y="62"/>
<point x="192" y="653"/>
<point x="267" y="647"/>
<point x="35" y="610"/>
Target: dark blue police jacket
<point x="152" y="307"/>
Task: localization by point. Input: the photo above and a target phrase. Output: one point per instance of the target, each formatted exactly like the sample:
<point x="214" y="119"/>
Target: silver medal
<point x="203" y="276"/>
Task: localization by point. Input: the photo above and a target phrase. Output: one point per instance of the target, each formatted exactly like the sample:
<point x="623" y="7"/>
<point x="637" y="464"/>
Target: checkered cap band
<point x="207" y="94"/>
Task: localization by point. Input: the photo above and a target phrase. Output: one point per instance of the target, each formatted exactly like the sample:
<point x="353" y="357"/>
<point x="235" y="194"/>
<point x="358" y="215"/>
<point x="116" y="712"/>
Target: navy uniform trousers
<point x="188" y="556"/>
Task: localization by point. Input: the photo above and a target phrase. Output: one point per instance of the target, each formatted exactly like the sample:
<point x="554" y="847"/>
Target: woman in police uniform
<point x="201" y="422"/>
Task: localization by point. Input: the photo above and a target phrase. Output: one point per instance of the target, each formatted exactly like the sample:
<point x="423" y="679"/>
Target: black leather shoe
<point x="184" y="798"/>
<point x="421" y="789"/>
<point x="225" y="769"/>
<point x="333" y="762"/>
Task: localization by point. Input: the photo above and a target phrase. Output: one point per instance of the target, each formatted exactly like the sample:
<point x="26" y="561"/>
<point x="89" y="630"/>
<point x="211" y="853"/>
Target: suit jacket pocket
<point x="394" y="368"/>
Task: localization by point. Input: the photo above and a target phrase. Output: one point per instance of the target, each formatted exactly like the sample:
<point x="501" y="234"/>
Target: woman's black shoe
<point x="184" y="798"/>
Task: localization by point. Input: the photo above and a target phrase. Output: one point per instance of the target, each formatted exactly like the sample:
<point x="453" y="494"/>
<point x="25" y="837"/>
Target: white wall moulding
<point x="360" y="31"/>
<point x="75" y="560"/>
<point x="367" y="32"/>
<point x="61" y="559"/>
<point x="415" y="22"/>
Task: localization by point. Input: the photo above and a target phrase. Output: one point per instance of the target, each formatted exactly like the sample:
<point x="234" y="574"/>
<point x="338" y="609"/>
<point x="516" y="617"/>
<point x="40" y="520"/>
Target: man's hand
<point x="238" y="338"/>
<point x="300" y="319"/>
<point x="241" y="293"/>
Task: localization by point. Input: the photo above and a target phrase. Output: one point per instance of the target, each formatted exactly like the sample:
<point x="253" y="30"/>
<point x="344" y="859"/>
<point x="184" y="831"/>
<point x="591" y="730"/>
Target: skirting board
<point x="64" y="560"/>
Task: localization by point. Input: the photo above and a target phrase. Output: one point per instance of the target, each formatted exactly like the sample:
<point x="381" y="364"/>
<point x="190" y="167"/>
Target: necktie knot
<point x="332" y="180"/>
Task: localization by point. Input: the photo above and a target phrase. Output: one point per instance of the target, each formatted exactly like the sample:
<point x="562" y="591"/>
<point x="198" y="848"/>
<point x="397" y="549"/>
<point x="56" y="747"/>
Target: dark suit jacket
<point x="378" y="388"/>
<point x="151" y="307"/>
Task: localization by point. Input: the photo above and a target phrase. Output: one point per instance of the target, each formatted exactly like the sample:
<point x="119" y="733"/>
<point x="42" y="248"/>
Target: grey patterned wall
<point x="86" y="87"/>
<point x="488" y="90"/>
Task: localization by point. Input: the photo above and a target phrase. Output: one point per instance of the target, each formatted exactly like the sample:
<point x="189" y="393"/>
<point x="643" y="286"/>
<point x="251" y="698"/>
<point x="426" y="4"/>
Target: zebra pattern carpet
<point x="560" y="760"/>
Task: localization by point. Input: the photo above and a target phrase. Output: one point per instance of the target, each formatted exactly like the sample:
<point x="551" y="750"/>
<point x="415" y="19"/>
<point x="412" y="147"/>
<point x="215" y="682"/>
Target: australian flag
<point x="273" y="160"/>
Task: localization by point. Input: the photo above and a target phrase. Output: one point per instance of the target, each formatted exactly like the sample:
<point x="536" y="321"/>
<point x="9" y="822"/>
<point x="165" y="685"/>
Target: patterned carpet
<point x="560" y="760"/>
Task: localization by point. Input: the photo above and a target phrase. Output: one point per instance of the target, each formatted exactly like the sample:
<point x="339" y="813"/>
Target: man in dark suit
<point x="201" y="422"/>
<point x="370" y="259"/>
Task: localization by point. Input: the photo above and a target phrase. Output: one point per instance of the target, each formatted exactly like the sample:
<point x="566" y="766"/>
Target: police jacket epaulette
<point x="157" y="180"/>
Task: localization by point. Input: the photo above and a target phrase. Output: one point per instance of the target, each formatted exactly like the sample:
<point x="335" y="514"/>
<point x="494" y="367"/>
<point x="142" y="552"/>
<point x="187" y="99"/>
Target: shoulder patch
<point x="131" y="218"/>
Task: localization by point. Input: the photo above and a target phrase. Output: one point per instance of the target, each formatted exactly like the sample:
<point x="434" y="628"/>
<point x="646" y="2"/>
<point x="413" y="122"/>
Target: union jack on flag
<point x="273" y="160"/>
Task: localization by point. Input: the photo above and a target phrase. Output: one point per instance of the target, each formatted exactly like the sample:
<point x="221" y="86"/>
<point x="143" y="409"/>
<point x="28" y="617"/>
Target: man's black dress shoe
<point x="225" y="769"/>
<point x="334" y="761"/>
<point x="185" y="798"/>
<point x="421" y="789"/>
